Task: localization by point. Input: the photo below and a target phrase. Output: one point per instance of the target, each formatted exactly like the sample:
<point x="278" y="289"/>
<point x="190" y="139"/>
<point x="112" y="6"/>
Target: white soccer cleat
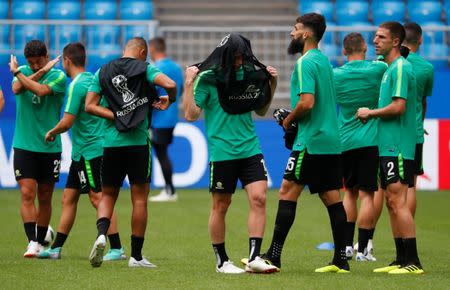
<point x="349" y="252"/>
<point x="229" y="268"/>
<point x="360" y="257"/>
<point x="259" y="265"/>
<point x="33" y="249"/>
<point x="144" y="263"/>
<point x="96" y="256"/>
<point x="163" y="196"/>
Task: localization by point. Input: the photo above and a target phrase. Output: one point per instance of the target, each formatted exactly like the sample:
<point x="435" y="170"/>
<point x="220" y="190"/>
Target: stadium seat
<point x="330" y="37"/>
<point x="28" y="9"/>
<point x="4" y="9"/>
<point x="436" y="36"/>
<point x="100" y="9"/>
<point x="333" y="52"/>
<point x="349" y="11"/>
<point x="368" y="35"/>
<point x="130" y="31"/>
<point x="447" y="10"/>
<point x="424" y="11"/>
<point x="24" y="33"/>
<point x="388" y="11"/>
<point x="4" y="35"/>
<point x="439" y="54"/>
<point x="64" y="9"/>
<point x="100" y="35"/>
<point x="370" y="54"/>
<point x="63" y="34"/>
<point x="326" y="8"/>
<point x="102" y="55"/>
<point x="5" y="53"/>
<point x="136" y="10"/>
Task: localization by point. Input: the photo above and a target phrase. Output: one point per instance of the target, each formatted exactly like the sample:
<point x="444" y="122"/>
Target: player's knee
<point x="258" y="200"/>
<point x="221" y="206"/>
<point x="392" y="204"/>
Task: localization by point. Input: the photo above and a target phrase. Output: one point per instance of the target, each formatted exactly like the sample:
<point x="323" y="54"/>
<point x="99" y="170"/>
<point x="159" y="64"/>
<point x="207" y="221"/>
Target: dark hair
<point x="413" y="32"/>
<point x="158" y="43"/>
<point x="138" y="42"/>
<point x="35" y="48"/>
<point x="396" y="29"/>
<point x="76" y="52"/>
<point x="353" y="42"/>
<point x="315" y="22"/>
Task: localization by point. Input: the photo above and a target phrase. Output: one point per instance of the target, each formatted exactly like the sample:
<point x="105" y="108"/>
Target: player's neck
<point x="309" y="45"/>
<point x="76" y="71"/>
<point x="356" y="56"/>
<point x="412" y="48"/>
<point x="392" y="55"/>
<point x="158" y="56"/>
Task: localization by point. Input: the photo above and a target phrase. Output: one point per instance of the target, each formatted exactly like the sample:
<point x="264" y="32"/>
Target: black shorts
<point x="418" y="160"/>
<point x="40" y="166"/>
<point x="360" y="168"/>
<point x="162" y="136"/>
<point x="225" y="174"/>
<point x="119" y="162"/>
<point x="321" y="172"/>
<point x="393" y="169"/>
<point x="84" y="175"/>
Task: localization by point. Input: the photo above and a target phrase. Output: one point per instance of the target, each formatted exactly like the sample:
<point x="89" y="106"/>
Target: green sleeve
<point x="57" y="82"/>
<point x="201" y="91"/>
<point x="74" y="99"/>
<point x="152" y="72"/>
<point x="400" y="81"/>
<point x="430" y="83"/>
<point x="95" y="84"/>
<point x="306" y="80"/>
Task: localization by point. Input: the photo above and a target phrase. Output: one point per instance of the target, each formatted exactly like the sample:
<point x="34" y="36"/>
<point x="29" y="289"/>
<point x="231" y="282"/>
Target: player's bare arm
<point x="273" y="85"/>
<point x="93" y="107"/>
<point x="2" y="101"/>
<point x="303" y="106"/>
<point x="169" y="85"/>
<point x="191" y="110"/>
<point x="30" y="83"/>
<point x="394" y="109"/>
<point x="63" y="125"/>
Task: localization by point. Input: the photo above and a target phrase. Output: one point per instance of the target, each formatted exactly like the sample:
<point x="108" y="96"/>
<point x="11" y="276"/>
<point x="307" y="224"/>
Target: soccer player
<point x="87" y="151"/>
<point x="2" y="100"/>
<point x="316" y="156"/>
<point x="164" y="122"/>
<point x="397" y="133"/>
<point x="234" y="148"/>
<point x="357" y="85"/>
<point x="39" y="91"/>
<point x="424" y="80"/>
<point x="126" y="83"/>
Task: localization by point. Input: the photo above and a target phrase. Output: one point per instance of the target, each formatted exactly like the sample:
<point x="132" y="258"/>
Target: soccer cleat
<point x="409" y="269"/>
<point x="163" y="196"/>
<point x="332" y="269"/>
<point x="115" y="255"/>
<point x="50" y="253"/>
<point x="392" y="266"/>
<point x="144" y="263"/>
<point x="96" y="256"/>
<point x="33" y="249"/>
<point x="360" y="257"/>
<point x="370" y="247"/>
<point x="349" y="252"/>
<point x="229" y="268"/>
<point x="259" y="265"/>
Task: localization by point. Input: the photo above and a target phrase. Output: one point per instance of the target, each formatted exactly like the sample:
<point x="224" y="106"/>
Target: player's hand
<point x="272" y="71"/>
<point x="50" y="137"/>
<point x="51" y="64"/>
<point x="13" y="64"/>
<point x="191" y="74"/>
<point x="425" y="132"/>
<point x="287" y="122"/>
<point x="162" y="104"/>
<point x="363" y="114"/>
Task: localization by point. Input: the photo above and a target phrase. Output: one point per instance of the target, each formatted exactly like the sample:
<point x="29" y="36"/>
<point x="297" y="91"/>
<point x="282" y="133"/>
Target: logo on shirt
<point x="120" y="83"/>
<point x="219" y="185"/>
<point x="251" y="92"/>
<point x="18" y="174"/>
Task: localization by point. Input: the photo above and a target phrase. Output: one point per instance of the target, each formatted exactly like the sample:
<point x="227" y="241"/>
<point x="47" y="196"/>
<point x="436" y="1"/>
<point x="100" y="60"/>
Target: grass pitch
<point x="177" y="241"/>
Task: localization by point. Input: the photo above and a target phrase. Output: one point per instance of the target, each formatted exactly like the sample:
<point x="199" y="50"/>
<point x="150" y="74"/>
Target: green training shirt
<point x="138" y="136"/>
<point x="397" y="136"/>
<point x="424" y="80"/>
<point x="87" y="130"/>
<point x="357" y="85"/>
<point x="35" y="116"/>
<point x="229" y="136"/>
<point x="318" y="130"/>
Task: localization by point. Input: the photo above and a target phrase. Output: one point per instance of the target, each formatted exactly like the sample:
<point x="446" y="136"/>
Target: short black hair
<point x="158" y="43"/>
<point x="413" y="32"/>
<point x="138" y="42"/>
<point x="314" y="21"/>
<point x="76" y="52"/>
<point x="396" y="29"/>
<point x="354" y="42"/>
<point x="35" y="48"/>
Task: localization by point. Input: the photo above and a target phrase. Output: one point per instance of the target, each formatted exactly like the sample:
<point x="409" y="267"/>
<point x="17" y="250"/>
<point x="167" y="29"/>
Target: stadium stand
<point x="326" y="8"/>
<point x="101" y="35"/>
<point x="28" y="9"/>
<point x="100" y="9"/>
<point x="4" y="9"/>
<point x="387" y="10"/>
<point x="352" y="11"/>
<point x="26" y="32"/>
<point x="64" y="9"/>
<point x="424" y="11"/>
<point x="136" y="10"/>
<point x="60" y="35"/>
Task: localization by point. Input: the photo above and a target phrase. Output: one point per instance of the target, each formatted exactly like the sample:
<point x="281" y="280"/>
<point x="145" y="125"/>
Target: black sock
<point x="221" y="254"/>
<point x="59" y="240"/>
<point x="30" y="231"/>
<point x="371" y="232"/>
<point x="103" y="226"/>
<point x="349" y="233"/>
<point x="284" y="220"/>
<point x="411" y="255"/>
<point x="338" y="221"/>
<point x="136" y="247"/>
<point x="400" y="251"/>
<point x="363" y="239"/>
<point x="114" y="241"/>
<point x="40" y="234"/>
<point x="170" y="189"/>
<point x="254" y="245"/>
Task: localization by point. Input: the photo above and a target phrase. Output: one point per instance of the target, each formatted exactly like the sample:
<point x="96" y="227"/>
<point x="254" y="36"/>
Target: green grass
<point x="177" y="241"/>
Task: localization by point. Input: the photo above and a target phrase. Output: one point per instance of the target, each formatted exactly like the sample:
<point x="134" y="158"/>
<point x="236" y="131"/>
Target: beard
<point x="295" y="46"/>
